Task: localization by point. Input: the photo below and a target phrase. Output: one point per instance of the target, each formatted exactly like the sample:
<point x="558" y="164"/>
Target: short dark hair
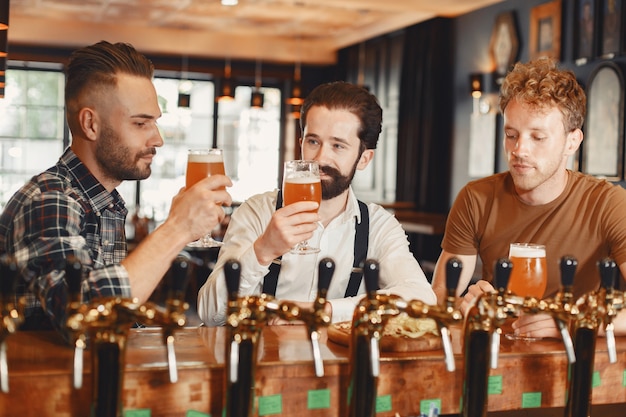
<point x="98" y="64"/>
<point x="357" y="100"/>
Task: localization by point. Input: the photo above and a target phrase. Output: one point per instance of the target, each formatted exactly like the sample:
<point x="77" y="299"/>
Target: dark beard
<point x="338" y="183"/>
<point x="116" y="160"/>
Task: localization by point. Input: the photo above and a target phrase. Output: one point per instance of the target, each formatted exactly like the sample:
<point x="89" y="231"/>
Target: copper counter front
<point x="529" y="375"/>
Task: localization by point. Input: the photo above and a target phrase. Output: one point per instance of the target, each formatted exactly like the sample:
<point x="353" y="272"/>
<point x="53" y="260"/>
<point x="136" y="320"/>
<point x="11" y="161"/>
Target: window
<point x="31" y="127"/>
<point x="251" y="142"/>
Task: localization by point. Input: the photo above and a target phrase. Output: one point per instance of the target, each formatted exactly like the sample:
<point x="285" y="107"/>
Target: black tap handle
<point x="502" y="274"/>
<point x="179" y="276"/>
<point x="608" y="273"/>
<point x="232" y="272"/>
<point x="568" y="269"/>
<point x="371" y="272"/>
<point x="453" y="273"/>
<point x="9" y="276"/>
<point x="73" y="277"/>
<point x="326" y="271"/>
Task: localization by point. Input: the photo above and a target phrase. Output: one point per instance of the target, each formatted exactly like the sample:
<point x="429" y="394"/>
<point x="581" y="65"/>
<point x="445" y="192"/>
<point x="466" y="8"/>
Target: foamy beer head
<point x="529" y="276"/>
<point x="527" y="250"/>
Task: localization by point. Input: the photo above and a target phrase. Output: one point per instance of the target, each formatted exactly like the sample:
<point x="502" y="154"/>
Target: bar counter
<point x="529" y="374"/>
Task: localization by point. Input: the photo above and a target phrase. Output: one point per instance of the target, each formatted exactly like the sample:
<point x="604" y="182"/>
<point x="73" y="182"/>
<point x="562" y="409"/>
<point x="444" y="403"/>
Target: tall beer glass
<point x="301" y="182"/>
<point x="202" y="163"/>
<point x="529" y="276"/>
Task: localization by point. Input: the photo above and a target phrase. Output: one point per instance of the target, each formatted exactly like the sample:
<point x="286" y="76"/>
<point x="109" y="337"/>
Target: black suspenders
<point x="360" y="252"/>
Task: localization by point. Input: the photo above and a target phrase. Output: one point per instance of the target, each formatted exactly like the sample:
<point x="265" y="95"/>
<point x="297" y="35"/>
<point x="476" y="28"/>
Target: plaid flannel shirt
<point x="60" y="212"/>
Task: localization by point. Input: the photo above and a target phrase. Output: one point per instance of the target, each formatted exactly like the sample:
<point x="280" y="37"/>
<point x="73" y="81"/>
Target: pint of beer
<point x="202" y="163"/>
<point x="529" y="276"/>
<point x="301" y="182"/>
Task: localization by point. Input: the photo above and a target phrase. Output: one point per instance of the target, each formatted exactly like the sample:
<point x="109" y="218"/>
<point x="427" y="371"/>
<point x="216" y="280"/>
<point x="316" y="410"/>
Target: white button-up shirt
<point x="400" y="273"/>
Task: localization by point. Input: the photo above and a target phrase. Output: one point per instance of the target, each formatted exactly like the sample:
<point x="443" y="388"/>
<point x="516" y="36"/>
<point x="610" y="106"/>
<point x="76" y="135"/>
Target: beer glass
<point x="301" y="182"/>
<point x="529" y="276"/>
<point x="202" y="163"/>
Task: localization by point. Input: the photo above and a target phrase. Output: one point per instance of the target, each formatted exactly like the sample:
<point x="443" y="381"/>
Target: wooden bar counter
<point x="528" y="375"/>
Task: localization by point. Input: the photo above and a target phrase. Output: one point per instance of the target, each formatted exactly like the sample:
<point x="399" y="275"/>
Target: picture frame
<point x="585" y="30"/>
<point x="603" y="144"/>
<point x="612" y="28"/>
<point x="545" y="30"/>
<point x="504" y="43"/>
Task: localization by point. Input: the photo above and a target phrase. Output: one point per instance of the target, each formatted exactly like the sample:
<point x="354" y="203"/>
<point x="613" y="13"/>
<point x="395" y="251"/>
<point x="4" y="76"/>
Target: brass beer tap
<point x="246" y="318"/>
<point x="104" y="324"/>
<point x="11" y="312"/>
<point x="484" y="322"/>
<point x="589" y="313"/>
<point x="368" y="322"/>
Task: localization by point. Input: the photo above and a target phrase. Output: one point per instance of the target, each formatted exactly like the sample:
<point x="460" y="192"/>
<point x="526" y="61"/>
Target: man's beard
<point x="337" y="183"/>
<point x="117" y="161"/>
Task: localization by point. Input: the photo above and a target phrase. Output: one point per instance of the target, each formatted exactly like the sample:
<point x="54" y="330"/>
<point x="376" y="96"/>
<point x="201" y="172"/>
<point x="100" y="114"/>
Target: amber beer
<point x="302" y="189"/>
<point x="202" y="163"/>
<point x="529" y="276"/>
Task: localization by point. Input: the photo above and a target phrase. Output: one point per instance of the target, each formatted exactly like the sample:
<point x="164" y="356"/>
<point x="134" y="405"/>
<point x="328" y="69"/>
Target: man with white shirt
<point x="341" y="123"/>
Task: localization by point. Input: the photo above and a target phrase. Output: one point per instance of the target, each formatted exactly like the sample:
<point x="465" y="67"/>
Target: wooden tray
<point x="340" y="333"/>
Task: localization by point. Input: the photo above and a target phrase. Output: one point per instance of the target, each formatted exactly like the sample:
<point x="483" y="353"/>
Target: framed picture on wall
<point x="603" y="144"/>
<point x="545" y="30"/>
<point x="504" y="44"/>
<point x="612" y="27"/>
<point x="585" y="30"/>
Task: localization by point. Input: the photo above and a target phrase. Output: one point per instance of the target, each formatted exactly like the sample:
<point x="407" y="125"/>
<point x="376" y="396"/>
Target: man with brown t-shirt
<point x="538" y="199"/>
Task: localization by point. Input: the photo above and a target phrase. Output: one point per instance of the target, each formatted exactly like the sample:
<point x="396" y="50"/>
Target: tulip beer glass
<point x="202" y="163"/>
<point x="529" y="276"/>
<point x="301" y="182"/>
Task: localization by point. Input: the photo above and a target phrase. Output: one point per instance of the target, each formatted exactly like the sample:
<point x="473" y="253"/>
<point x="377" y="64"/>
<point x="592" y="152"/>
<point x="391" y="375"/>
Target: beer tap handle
<point x="453" y="273"/>
<point x="608" y="275"/>
<point x="370" y="276"/>
<point x="502" y="274"/>
<point x="326" y="270"/>
<point x="568" y="270"/>
<point x="375" y="357"/>
<point x="568" y="267"/>
<point x="179" y="277"/>
<point x="73" y="278"/>
<point x="232" y="272"/>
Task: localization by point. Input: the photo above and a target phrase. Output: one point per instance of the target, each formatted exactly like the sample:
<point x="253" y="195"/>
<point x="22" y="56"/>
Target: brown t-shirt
<point x="587" y="221"/>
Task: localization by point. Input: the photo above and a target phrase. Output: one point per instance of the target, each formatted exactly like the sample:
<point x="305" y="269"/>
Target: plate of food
<point x="401" y="334"/>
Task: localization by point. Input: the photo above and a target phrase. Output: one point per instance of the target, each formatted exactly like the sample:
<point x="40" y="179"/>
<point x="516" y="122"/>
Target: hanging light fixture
<point x="227" y="92"/>
<point x="4" y="14"/>
<point x="257" y="98"/>
<point x="296" y="89"/>
<point x="184" y="87"/>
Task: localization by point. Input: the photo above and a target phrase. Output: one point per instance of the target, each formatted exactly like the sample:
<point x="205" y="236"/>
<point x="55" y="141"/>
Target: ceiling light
<point x="257" y="98"/>
<point x="227" y="90"/>
<point x="230" y="2"/>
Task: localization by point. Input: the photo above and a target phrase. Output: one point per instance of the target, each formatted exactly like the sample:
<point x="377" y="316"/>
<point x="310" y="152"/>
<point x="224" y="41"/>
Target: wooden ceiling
<point x="309" y="31"/>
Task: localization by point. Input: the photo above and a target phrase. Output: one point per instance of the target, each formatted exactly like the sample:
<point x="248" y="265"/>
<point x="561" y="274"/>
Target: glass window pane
<point x="251" y="142"/>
